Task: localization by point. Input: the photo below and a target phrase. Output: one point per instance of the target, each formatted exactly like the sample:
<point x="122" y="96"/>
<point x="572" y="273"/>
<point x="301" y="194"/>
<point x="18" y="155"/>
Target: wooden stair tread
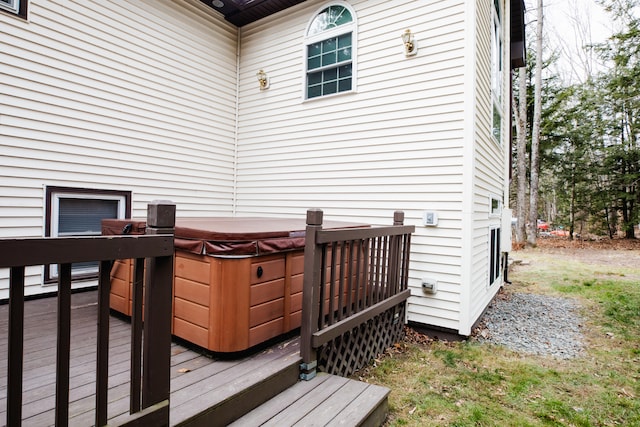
<point x="325" y="400"/>
<point x="237" y="388"/>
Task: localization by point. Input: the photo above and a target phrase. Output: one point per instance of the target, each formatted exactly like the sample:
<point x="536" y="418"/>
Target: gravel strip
<point x="535" y="324"/>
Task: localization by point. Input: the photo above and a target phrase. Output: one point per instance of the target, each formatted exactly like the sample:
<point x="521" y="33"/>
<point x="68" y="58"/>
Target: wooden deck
<point x="204" y="390"/>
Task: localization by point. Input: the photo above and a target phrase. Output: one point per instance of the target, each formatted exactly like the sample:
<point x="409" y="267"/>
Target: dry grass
<point x="436" y="383"/>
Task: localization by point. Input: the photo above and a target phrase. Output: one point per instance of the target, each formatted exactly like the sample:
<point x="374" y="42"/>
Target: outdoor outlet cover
<point x="429" y="286"/>
<point x="430" y="218"/>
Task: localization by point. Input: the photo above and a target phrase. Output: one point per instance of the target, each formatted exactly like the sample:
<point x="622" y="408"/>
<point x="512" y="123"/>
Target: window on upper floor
<point x="79" y="212"/>
<point x="497" y="70"/>
<point x="330" y="52"/>
<point x="16" y="7"/>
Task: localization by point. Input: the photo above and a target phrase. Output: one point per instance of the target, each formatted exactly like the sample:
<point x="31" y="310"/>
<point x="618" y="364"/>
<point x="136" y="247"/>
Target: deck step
<point x="326" y="400"/>
<point x="237" y="390"/>
<point x="206" y="389"/>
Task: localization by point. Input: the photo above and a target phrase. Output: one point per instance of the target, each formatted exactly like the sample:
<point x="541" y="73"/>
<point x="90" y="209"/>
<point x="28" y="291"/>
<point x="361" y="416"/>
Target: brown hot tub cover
<point x="224" y="236"/>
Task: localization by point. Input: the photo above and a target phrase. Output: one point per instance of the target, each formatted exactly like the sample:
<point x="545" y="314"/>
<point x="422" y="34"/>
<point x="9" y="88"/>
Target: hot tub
<point x="237" y="281"/>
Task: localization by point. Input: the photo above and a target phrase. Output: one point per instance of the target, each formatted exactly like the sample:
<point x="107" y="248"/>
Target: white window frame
<point x="53" y="219"/>
<point x="327" y="34"/>
<point x="497" y="69"/>
<point x="55" y="208"/>
<point x="497" y="202"/>
<point x="12" y="6"/>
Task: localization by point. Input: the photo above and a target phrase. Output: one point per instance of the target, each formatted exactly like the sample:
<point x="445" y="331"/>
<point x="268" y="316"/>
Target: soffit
<point x="242" y="12"/>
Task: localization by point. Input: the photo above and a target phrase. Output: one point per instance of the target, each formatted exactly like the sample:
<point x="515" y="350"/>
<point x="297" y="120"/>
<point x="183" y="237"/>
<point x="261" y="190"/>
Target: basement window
<point x="494" y="255"/>
<point x="330" y="49"/>
<point x="15" y="7"/>
<point x="79" y="212"/>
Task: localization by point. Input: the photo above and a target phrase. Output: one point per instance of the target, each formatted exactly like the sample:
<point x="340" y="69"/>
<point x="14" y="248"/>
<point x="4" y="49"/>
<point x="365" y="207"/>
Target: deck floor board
<point x="193" y="371"/>
<point x="205" y="390"/>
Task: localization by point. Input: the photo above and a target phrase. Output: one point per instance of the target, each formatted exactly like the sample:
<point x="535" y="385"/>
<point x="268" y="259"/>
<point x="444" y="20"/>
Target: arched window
<point x="330" y="46"/>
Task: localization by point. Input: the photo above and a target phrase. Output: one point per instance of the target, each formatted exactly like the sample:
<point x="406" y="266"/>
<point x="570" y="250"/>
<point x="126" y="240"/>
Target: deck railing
<point x="150" y="366"/>
<point x="354" y="295"/>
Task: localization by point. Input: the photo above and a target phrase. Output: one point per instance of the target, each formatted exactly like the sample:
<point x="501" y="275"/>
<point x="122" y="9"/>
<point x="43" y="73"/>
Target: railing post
<point x="395" y="253"/>
<point x="63" y="362"/>
<point x="398" y="218"/>
<point x="161" y="216"/>
<point x="15" y="346"/>
<point x="310" y="294"/>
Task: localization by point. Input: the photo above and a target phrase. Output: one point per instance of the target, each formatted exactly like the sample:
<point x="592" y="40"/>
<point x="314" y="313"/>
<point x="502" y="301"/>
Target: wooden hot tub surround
<point x="237" y="281"/>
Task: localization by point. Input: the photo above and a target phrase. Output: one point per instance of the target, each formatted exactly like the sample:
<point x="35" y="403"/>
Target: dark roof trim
<point x="518" y="51"/>
<point x="242" y="12"/>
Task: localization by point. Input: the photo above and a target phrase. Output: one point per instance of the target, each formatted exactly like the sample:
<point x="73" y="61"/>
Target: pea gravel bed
<point x="535" y="324"/>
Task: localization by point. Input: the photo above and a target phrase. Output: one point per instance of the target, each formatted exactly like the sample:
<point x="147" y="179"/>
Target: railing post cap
<point x="314" y="216"/>
<point x="161" y="214"/>
<point x="398" y="217"/>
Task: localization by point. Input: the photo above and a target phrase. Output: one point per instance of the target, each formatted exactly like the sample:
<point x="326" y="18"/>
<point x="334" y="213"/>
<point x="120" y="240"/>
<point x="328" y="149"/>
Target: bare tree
<point x="535" y="133"/>
<point x="577" y="45"/>
<point x="520" y="109"/>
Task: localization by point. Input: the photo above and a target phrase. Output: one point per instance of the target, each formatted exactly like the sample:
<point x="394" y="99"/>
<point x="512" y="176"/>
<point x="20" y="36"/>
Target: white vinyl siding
<point x="133" y="96"/>
<point x="397" y="143"/>
<point x="489" y="168"/>
<point x="160" y="98"/>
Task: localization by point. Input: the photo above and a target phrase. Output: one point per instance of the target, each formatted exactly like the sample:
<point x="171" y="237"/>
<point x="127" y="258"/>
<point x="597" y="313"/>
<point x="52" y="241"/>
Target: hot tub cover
<point x="225" y="236"/>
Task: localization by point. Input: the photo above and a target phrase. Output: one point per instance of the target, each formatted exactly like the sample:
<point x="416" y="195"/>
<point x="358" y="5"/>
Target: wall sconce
<point x="263" y="80"/>
<point x="410" y="45"/>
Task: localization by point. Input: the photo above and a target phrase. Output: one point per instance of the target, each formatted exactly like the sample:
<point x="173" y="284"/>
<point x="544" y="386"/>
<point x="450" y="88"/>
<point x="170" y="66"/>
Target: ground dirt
<point x="596" y="251"/>
<point x="619" y="252"/>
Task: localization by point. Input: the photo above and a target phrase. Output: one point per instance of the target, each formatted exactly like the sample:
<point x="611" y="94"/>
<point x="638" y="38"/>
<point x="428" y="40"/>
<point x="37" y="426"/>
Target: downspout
<point x="507" y="212"/>
<point x="234" y="196"/>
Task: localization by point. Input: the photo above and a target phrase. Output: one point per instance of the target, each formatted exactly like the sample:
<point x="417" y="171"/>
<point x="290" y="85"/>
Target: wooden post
<point x="15" y="346"/>
<point x="395" y="253"/>
<point x="398" y="218"/>
<point x="161" y="217"/>
<point x="102" y="350"/>
<point x="310" y="294"/>
<point x="64" y="344"/>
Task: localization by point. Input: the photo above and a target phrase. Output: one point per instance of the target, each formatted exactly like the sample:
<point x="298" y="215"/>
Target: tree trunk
<point x="572" y="204"/>
<point x="521" y="150"/>
<point x="535" y="133"/>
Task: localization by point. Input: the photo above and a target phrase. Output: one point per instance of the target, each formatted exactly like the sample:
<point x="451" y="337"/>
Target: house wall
<point x="397" y="143"/>
<point x="407" y="139"/>
<point x="124" y="95"/>
<point x="489" y="162"/>
<point x="141" y="96"/>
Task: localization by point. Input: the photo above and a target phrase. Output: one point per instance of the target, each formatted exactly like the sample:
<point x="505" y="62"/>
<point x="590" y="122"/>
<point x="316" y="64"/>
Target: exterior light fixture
<point x="263" y="80"/>
<point x="217" y="3"/>
<point x="410" y="45"/>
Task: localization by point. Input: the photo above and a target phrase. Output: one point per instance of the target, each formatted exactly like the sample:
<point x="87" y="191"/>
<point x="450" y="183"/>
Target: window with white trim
<point x="495" y="207"/>
<point x="79" y="212"/>
<point x="329" y="52"/>
<point x="497" y="70"/>
<point x="16" y="7"/>
<point x="494" y="255"/>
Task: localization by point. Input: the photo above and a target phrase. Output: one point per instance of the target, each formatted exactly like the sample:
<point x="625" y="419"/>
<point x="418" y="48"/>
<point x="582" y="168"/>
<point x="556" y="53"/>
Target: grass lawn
<point x="468" y="383"/>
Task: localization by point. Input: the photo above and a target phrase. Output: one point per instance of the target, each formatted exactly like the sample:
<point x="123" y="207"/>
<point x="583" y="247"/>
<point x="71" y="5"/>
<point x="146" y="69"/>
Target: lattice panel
<point x="354" y="349"/>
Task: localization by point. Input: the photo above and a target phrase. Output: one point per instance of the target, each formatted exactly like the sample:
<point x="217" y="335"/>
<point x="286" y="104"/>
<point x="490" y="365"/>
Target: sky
<point x="568" y="26"/>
